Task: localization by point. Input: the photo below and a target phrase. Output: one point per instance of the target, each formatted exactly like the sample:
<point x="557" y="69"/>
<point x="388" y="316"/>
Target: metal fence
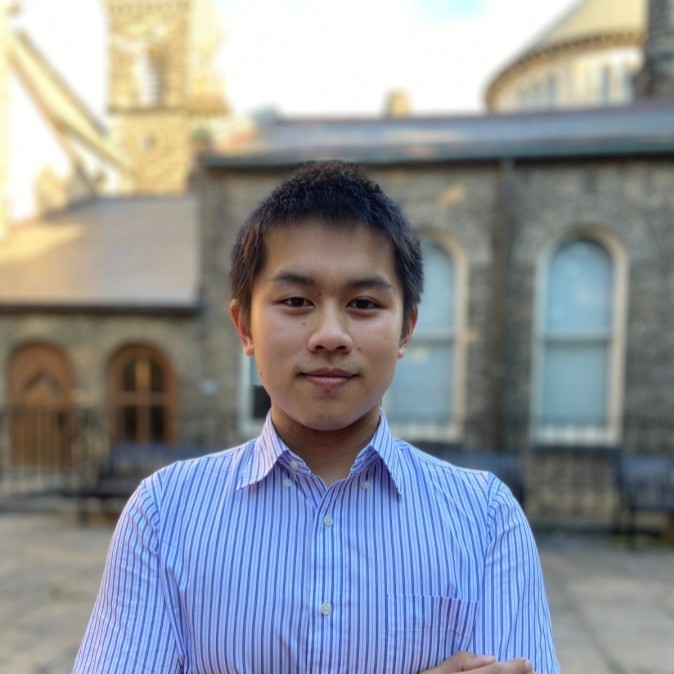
<point x="570" y="483"/>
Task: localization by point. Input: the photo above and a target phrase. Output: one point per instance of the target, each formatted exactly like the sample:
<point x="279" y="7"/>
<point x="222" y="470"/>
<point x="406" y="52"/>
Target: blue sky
<point x="321" y="57"/>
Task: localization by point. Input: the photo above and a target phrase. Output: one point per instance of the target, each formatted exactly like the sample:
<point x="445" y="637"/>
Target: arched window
<point x="150" y="77"/>
<point x="40" y="406"/>
<point x="423" y="400"/>
<point x="141" y="396"/>
<point x="579" y="337"/>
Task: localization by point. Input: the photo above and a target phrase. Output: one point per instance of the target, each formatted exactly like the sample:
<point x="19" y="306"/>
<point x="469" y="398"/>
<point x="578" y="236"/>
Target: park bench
<point x="118" y="475"/>
<point x="646" y="484"/>
<point x="507" y="466"/>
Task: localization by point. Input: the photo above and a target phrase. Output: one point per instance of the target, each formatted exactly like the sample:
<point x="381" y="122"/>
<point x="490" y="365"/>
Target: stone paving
<point x="612" y="608"/>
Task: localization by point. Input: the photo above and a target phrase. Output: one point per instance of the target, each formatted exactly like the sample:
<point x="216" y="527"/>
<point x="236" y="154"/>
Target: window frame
<point x="453" y="430"/>
<point x="563" y="434"/>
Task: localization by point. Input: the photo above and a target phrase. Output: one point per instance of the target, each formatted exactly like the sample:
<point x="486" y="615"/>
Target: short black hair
<point x="332" y="192"/>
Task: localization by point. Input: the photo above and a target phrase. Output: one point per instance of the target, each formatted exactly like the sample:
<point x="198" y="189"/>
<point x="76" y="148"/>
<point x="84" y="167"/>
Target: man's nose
<point x="330" y="332"/>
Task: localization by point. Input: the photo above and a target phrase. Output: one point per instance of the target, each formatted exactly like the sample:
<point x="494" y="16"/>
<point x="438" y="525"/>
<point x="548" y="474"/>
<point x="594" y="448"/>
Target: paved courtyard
<point x="613" y="608"/>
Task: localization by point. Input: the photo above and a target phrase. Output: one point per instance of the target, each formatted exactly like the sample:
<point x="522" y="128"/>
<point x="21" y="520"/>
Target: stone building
<point x="547" y="241"/>
<point x="164" y="95"/>
<point x="588" y="58"/>
<point x="4" y="118"/>
<point x="544" y="328"/>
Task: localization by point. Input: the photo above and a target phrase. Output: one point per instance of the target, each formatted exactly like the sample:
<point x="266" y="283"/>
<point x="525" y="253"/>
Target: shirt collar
<point x="268" y="449"/>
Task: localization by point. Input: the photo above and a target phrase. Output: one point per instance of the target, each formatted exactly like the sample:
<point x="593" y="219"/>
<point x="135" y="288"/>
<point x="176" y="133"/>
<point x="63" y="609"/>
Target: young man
<point x="325" y="545"/>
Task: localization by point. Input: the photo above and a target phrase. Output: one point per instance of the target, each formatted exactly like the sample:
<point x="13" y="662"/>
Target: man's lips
<point x="329" y="377"/>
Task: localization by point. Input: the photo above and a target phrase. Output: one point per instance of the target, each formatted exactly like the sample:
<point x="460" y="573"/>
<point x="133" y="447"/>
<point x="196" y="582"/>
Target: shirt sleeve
<point x="130" y="629"/>
<point x="513" y="617"/>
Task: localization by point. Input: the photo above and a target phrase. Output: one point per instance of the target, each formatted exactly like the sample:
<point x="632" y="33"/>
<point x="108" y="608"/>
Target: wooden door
<point x="41" y="407"/>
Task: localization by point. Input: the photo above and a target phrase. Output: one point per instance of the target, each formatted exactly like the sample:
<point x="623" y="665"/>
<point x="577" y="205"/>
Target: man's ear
<point x="242" y="325"/>
<point x="408" y="330"/>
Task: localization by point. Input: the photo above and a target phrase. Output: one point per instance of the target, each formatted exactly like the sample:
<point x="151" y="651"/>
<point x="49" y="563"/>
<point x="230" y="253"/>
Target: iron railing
<point x="568" y="482"/>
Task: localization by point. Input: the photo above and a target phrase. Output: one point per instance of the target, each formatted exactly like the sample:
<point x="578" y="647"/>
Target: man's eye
<point x="364" y="304"/>
<point x="296" y="302"/>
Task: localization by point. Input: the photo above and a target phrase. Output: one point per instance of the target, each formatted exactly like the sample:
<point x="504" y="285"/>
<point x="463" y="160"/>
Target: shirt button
<point x="326" y="609"/>
<point x="287" y="483"/>
<point x="328" y="521"/>
<point x="294" y="465"/>
<point x="365" y="485"/>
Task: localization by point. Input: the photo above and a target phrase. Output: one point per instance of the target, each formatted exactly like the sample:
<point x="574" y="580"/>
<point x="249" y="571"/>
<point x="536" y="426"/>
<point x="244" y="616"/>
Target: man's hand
<point x="480" y="664"/>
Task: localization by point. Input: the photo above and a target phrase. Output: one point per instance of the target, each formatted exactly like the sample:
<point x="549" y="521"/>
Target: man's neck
<point x="328" y="454"/>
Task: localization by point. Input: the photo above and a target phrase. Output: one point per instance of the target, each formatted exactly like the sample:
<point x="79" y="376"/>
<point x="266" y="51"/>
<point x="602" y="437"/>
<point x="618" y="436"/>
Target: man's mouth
<point x="328" y="377"/>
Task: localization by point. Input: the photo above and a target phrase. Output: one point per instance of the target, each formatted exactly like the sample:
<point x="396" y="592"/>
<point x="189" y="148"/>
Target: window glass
<point x="422" y="389"/>
<point x="575" y="379"/>
<point x="579" y="287"/>
<point x="437" y="309"/>
<point x="423" y="385"/>
<point x="260" y="401"/>
<point x="576" y="337"/>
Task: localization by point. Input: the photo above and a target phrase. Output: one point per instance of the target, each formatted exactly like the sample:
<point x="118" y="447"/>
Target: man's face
<point x="325" y="324"/>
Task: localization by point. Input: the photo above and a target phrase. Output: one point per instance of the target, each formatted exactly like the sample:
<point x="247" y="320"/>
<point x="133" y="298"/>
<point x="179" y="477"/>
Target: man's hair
<point x="332" y="192"/>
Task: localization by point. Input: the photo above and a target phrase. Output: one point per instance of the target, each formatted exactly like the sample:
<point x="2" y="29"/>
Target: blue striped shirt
<point x="243" y="561"/>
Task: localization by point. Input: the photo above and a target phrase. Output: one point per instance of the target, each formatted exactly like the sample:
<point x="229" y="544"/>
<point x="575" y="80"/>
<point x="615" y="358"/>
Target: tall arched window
<point x="40" y="409"/>
<point x="150" y="73"/>
<point x="141" y="396"/>
<point x="422" y="401"/>
<point x="579" y="337"/>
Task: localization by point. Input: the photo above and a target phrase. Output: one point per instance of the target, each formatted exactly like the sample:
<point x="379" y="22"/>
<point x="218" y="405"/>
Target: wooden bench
<point x="505" y="465"/>
<point x="646" y="484"/>
<point x="123" y="469"/>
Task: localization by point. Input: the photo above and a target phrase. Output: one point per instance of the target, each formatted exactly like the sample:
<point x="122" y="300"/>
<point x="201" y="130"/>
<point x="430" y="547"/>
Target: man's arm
<point x="130" y="628"/>
<point x="513" y="618"/>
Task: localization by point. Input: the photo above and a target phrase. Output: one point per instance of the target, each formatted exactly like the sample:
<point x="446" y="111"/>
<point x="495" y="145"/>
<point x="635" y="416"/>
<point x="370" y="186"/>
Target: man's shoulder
<point x="215" y="466"/>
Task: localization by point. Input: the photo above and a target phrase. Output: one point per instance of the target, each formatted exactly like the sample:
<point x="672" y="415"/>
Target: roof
<point x="593" y="18"/>
<point x="638" y="129"/>
<point x="131" y="254"/>
<point x="57" y="99"/>
<point x="620" y="22"/>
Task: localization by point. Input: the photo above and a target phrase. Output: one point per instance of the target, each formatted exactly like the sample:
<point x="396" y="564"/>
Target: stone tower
<point x="656" y="79"/>
<point x="148" y="88"/>
<point x="4" y="118"/>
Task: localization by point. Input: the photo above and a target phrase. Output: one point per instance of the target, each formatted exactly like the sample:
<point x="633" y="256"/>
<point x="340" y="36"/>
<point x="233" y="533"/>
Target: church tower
<point x="656" y="79"/>
<point x="148" y="88"/>
<point x="4" y="117"/>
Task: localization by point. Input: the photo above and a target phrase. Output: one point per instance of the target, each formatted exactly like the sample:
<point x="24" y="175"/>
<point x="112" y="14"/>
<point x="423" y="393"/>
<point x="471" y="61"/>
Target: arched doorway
<point x="141" y="396"/>
<point x="41" y="421"/>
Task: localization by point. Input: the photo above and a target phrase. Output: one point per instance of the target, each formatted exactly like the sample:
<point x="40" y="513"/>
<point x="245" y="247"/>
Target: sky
<point x="324" y="57"/>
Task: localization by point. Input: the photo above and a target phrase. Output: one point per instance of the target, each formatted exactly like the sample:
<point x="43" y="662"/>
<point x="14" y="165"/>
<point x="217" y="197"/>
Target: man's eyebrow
<point x="373" y="281"/>
<point x="293" y="277"/>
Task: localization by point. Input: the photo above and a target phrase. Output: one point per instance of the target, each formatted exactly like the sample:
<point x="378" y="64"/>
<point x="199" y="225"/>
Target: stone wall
<point x="631" y="200"/>
<point x="89" y="341"/>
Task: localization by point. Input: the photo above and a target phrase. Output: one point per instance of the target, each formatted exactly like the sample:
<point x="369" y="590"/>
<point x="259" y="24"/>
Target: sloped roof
<point x="57" y="99"/>
<point x="644" y="129"/>
<point x="592" y="18"/>
<point x="136" y="253"/>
